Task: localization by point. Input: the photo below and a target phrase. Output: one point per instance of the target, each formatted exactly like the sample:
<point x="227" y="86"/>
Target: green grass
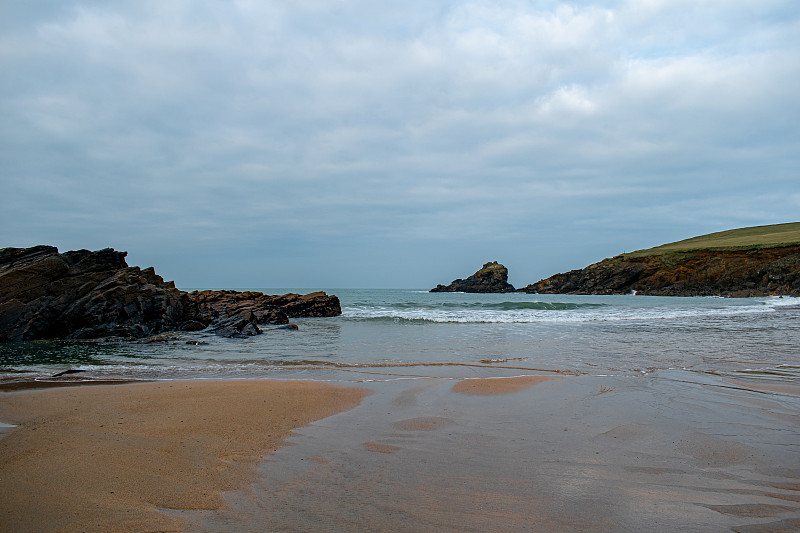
<point x="771" y="236"/>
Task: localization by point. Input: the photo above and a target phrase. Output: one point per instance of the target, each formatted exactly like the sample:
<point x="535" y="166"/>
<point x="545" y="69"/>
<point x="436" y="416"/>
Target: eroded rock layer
<point x="81" y="294"/>
<point x="492" y="277"/>
<point x="735" y="273"/>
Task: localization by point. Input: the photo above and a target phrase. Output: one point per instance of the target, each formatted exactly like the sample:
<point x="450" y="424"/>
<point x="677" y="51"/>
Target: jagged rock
<point x="80" y="294"/>
<point x="192" y="325"/>
<point x="268" y="309"/>
<point x="493" y="277"/>
<point x="217" y="305"/>
<point x="733" y="273"/>
<point x="241" y="325"/>
<point x="313" y="304"/>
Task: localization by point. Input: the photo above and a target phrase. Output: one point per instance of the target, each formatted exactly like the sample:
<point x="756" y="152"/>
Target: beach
<point x="444" y="453"/>
<point x="111" y="457"/>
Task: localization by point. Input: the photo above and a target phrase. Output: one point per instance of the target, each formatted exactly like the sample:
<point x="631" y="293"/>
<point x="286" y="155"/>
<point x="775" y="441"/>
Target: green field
<point x="774" y="235"/>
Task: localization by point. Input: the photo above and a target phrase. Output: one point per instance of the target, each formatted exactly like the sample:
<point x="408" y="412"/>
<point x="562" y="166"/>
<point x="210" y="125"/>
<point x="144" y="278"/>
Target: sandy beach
<point x="460" y="453"/>
<point x="110" y="457"/>
<point x="668" y="452"/>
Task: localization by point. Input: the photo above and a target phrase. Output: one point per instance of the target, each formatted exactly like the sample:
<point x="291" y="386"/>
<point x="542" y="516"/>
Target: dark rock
<point x="493" y="277"/>
<point x="192" y="325"/>
<point x="87" y="295"/>
<point x="82" y="294"/>
<point x="291" y="327"/>
<point x="315" y="304"/>
<point x="66" y="372"/>
<point x="731" y="273"/>
<point x="241" y="325"/>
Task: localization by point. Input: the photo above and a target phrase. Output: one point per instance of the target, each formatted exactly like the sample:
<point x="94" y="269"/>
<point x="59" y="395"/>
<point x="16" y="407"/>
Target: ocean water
<point x="412" y="333"/>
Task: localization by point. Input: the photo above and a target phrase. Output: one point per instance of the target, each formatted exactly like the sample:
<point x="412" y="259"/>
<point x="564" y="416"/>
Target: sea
<point x="661" y="414"/>
<point x="412" y="333"/>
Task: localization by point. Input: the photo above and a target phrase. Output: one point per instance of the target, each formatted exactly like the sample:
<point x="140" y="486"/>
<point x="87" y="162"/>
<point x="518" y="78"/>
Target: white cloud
<point x="420" y="121"/>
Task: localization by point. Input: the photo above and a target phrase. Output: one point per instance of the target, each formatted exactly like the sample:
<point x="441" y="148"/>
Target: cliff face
<point x="45" y="294"/>
<point x="493" y="277"/>
<point x="737" y="273"/>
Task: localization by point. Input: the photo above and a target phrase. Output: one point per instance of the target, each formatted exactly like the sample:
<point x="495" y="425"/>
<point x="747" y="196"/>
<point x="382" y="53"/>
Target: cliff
<point x="80" y="294"/>
<point x="492" y="277"/>
<point x="736" y="273"/>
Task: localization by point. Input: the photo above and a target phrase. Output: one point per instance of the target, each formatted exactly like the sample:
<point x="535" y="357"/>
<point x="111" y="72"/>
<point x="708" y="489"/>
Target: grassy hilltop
<point x="771" y="236"/>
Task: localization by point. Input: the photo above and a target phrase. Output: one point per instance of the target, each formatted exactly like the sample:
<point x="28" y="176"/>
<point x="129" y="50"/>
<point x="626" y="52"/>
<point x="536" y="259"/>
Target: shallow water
<point x="583" y="335"/>
<point x="672" y="450"/>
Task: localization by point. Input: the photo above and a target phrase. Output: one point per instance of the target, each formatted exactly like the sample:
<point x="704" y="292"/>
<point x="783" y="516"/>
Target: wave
<point x="498" y="306"/>
<point x="552" y="312"/>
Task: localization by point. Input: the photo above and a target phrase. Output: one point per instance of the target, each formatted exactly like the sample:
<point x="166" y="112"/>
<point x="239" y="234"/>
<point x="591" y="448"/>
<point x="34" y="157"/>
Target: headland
<point x="747" y="262"/>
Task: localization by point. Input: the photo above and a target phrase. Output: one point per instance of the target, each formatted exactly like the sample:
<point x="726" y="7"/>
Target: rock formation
<point x="80" y="294"/>
<point x="735" y="273"/>
<point x="493" y="277"/>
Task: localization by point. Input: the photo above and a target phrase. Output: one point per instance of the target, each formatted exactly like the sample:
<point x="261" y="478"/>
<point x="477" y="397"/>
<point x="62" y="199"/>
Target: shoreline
<point x="112" y="457"/>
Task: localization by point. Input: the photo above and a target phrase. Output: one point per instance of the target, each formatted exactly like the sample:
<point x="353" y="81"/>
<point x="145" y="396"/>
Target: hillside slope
<point x="758" y="261"/>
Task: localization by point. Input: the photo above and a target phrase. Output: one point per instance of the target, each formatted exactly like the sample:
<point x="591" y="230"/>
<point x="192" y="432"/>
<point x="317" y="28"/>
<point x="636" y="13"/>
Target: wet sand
<point x="115" y="457"/>
<point x="668" y="451"/>
<point x="672" y="451"/>
<point x="503" y="385"/>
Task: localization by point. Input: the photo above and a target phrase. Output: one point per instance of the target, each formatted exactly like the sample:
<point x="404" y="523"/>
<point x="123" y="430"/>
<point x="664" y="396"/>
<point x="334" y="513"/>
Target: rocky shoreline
<point x="745" y="273"/>
<point x="731" y="273"/>
<point x="82" y="294"/>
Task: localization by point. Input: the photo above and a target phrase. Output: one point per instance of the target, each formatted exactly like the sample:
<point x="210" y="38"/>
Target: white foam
<point x="578" y="315"/>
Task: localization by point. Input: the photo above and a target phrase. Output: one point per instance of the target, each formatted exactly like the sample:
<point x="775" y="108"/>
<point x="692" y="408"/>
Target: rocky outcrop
<point x="735" y="273"/>
<point x="493" y="277"/>
<point x="80" y="294"/>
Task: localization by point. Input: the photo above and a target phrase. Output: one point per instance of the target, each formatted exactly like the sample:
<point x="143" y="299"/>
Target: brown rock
<point x="81" y="294"/>
<point x="492" y="277"/>
<point x="732" y="273"/>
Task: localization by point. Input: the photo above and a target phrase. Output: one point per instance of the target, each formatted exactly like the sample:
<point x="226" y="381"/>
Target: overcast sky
<point x="361" y="143"/>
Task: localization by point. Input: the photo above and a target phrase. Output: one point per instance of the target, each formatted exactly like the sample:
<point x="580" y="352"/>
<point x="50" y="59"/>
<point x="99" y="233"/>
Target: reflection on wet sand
<point x="669" y="451"/>
<point x="503" y="385"/>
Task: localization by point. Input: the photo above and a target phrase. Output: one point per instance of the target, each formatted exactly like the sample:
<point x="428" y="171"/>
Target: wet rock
<point x="67" y="372"/>
<point x="81" y="294"/>
<point x="314" y="304"/>
<point x="241" y="325"/>
<point x="192" y="325"/>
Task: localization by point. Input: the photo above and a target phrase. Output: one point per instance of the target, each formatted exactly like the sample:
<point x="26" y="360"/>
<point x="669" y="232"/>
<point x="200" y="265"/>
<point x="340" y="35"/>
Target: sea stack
<point x="492" y="277"/>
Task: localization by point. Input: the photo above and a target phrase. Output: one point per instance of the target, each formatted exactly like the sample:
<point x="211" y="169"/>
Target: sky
<point x="362" y="143"/>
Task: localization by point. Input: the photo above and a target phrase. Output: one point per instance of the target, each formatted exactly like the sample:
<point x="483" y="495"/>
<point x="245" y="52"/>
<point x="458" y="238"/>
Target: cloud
<point x="445" y="129"/>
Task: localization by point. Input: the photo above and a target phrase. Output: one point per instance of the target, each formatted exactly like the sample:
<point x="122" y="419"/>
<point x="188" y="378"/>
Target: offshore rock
<point x="732" y="273"/>
<point x="80" y="294"/>
<point x="492" y="277"/>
